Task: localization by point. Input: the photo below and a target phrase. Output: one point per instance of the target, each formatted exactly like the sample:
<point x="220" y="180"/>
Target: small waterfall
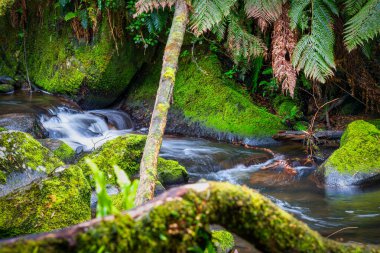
<point x="86" y="130"/>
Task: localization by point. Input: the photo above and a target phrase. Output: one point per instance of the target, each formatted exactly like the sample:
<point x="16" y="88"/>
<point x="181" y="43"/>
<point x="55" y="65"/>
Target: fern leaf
<point x="151" y="5"/>
<point x="314" y="53"/>
<point x="208" y="13"/>
<point x="296" y="12"/>
<point x="364" y="26"/>
<point x="242" y="45"/>
<point x="268" y="10"/>
<point x="351" y="7"/>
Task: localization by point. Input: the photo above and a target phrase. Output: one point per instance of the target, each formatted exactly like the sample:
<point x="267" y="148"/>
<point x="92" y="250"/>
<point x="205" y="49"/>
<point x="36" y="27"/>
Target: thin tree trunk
<point x="148" y="166"/>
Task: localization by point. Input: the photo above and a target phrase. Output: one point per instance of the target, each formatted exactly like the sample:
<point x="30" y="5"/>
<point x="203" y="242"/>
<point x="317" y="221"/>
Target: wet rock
<point x="24" y="122"/>
<point x="126" y="152"/>
<point x="59" y="201"/>
<point x="357" y="161"/>
<point x="7" y="80"/>
<point x="6" y="88"/>
<point x="20" y="151"/>
<point x="59" y="149"/>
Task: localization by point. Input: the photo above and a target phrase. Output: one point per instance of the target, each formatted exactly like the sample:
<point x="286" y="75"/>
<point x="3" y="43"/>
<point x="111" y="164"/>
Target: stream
<point x="325" y="210"/>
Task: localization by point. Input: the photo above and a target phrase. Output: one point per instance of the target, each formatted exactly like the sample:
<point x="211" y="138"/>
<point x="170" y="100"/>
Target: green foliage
<point x="268" y="10"/>
<point x="4" y="5"/>
<point x="208" y="13"/>
<point x="128" y="190"/>
<point x="363" y="26"/>
<point x="231" y="72"/>
<point x="269" y="85"/>
<point x="104" y="205"/>
<point x="314" y="53"/>
<point x="223" y="241"/>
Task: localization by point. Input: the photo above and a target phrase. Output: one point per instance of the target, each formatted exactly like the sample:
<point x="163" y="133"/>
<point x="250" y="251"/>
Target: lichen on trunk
<point x="148" y="167"/>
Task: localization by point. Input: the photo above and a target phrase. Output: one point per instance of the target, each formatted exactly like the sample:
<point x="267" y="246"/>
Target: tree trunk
<point x="180" y="218"/>
<point x="148" y="166"/>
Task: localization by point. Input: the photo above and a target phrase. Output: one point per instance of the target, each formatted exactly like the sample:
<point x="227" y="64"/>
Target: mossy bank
<point x="91" y="71"/>
<point x="206" y="103"/>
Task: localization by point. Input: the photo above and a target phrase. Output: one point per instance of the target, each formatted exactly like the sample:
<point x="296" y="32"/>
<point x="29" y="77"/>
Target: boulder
<point x="59" y="201"/>
<point x="223" y="241"/>
<point x="126" y="152"/>
<point x="6" y="88"/>
<point x="24" y="122"/>
<point x="357" y="161"/>
<point x="20" y="151"/>
<point x="60" y="149"/>
<point x="7" y="80"/>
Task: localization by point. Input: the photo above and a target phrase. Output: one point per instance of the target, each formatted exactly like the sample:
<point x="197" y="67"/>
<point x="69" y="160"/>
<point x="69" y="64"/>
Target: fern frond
<point x="151" y="5"/>
<point x="268" y="10"/>
<point x="297" y="10"/>
<point x="314" y="53"/>
<point x="351" y="7"/>
<point x="243" y="45"/>
<point x="364" y="26"/>
<point x="156" y="21"/>
<point x="208" y="13"/>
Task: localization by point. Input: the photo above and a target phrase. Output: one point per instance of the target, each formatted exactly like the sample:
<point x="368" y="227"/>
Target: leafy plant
<point x="231" y="73"/>
<point x="127" y="188"/>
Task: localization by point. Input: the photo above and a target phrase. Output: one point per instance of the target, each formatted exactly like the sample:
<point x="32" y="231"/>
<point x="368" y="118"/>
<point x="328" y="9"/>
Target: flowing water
<point x="326" y="210"/>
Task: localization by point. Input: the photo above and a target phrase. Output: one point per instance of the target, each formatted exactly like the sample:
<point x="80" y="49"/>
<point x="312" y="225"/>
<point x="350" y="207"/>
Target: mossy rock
<point x="56" y="202"/>
<point x="223" y="241"/>
<point x="357" y="161"/>
<point x="206" y="97"/>
<point x="20" y="151"/>
<point x="60" y="149"/>
<point x="3" y="177"/>
<point x="94" y="73"/>
<point x="6" y="88"/>
<point x="126" y="152"/>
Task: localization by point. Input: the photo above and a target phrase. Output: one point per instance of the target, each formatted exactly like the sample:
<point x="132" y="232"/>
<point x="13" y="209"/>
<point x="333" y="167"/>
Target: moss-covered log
<point x="179" y="219"/>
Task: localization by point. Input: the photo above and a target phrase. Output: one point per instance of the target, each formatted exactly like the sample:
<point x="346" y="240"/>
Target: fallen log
<point x="179" y="219"/>
<point x="300" y="136"/>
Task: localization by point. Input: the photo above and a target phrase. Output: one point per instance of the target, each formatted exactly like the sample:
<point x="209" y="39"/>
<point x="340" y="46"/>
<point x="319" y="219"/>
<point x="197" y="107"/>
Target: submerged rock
<point x="52" y="203"/>
<point x="6" y="88"/>
<point x="60" y="149"/>
<point x="357" y="161"/>
<point x="20" y="151"/>
<point x="126" y="152"/>
<point x="24" y="122"/>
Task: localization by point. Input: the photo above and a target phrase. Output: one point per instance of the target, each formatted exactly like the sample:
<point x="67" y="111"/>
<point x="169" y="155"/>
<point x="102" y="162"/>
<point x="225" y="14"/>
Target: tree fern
<point x="242" y="45"/>
<point x="351" y="7"/>
<point x="314" y="53"/>
<point x="364" y="26"/>
<point x="207" y="13"/>
<point x="151" y="5"/>
<point x="268" y="10"/>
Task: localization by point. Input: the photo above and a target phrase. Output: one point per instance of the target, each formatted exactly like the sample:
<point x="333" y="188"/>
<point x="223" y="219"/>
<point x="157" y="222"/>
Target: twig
<point x="340" y="231"/>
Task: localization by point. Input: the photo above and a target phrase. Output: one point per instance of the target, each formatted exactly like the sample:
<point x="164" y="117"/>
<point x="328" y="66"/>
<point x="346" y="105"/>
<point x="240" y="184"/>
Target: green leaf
<point x="70" y="15"/>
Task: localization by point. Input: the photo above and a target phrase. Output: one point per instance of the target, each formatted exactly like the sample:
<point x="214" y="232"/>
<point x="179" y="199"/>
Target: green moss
<point x="6" y="88"/>
<point x="223" y="241"/>
<point x="19" y="151"/>
<point x="171" y="172"/>
<point x="181" y="224"/>
<point x="359" y="150"/>
<point x="64" y="152"/>
<point x="375" y="122"/>
<point x="126" y="152"/>
<point x="55" y="202"/>
<point x="3" y="177"/>
<point x="2" y="129"/>
<point x="205" y="95"/>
